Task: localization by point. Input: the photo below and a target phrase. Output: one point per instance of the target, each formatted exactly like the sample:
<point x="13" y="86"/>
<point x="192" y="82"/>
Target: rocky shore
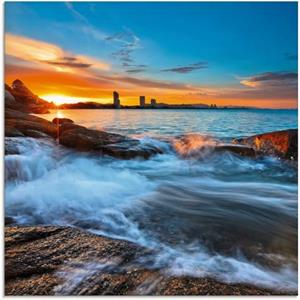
<point x="53" y="260"/>
<point x="20" y="101"/>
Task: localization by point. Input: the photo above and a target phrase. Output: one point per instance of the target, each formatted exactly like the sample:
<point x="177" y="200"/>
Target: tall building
<point x="153" y="102"/>
<point x="116" y="100"/>
<point x="142" y="101"/>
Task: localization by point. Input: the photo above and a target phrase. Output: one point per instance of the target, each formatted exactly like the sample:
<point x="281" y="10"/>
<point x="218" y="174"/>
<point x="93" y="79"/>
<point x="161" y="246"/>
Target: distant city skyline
<point x="242" y="53"/>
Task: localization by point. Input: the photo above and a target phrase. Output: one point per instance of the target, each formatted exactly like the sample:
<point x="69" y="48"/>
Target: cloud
<point x="135" y="70"/>
<point x="128" y="43"/>
<point x="149" y="83"/>
<point x="269" y="79"/>
<point x="78" y="15"/>
<point x="188" y="68"/>
<point x="269" y="86"/>
<point x="42" y="53"/>
<point x="71" y="62"/>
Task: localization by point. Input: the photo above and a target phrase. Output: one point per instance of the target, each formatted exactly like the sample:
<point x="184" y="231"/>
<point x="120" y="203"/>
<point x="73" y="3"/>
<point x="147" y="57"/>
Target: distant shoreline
<point x="175" y="108"/>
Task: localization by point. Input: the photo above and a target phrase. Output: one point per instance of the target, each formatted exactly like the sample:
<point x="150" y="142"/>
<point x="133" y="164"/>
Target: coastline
<point x="48" y="260"/>
<point x="54" y="260"/>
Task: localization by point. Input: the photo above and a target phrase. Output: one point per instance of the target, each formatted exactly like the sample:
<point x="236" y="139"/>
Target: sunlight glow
<point x="59" y="99"/>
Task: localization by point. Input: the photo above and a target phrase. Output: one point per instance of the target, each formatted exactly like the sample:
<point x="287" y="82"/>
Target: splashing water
<point x="223" y="216"/>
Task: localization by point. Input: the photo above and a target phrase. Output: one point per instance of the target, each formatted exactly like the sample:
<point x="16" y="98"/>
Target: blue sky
<point x="209" y="45"/>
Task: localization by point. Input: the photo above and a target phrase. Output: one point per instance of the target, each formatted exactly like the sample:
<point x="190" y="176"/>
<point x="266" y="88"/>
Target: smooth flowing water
<point x="218" y="215"/>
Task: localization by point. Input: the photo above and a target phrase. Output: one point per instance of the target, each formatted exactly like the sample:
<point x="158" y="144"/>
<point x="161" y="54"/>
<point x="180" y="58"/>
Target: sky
<point x="224" y="53"/>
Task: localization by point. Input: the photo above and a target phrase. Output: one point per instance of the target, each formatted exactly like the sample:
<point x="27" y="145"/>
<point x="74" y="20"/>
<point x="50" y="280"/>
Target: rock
<point x="9" y="98"/>
<point x="283" y="144"/>
<point x="9" y="221"/>
<point x="38" y="109"/>
<point x="50" y="260"/>
<point x="75" y="136"/>
<point x="22" y="124"/>
<point x="11" y="147"/>
<point x="83" y="139"/>
<point x="59" y="121"/>
<point x="24" y="99"/>
<point x="201" y="146"/>
<point x="11" y="131"/>
<point x="129" y="150"/>
<point x="236" y="149"/>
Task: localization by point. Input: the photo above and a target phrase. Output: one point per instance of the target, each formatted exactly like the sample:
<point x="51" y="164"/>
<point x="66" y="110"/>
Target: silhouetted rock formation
<point x="282" y="143"/>
<point x="49" y="260"/>
<point x="19" y="97"/>
<point x="18" y="123"/>
<point x="59" y="121"/>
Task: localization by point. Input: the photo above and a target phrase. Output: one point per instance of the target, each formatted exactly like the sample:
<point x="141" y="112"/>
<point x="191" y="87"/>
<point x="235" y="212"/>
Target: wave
<point x="226" y="217"/>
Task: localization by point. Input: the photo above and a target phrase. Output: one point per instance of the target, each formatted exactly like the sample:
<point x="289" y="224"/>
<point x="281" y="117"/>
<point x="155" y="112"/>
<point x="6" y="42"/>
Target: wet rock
<point x="11" y="147"/>
<point x="283" y="144"/>
<point x="49" y="260"/>
<point x="201" y="146"/>
<point x="104" y="143"/>
<point x="11" y="131"/>
<point x="59" y="121"/>
<point x="236" y="149"/>
<point x="75" y="136"/>
<point x="18" y="123"/>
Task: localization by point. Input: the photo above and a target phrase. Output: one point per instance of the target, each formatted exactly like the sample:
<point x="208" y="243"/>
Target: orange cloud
<point x="42" y="53"/>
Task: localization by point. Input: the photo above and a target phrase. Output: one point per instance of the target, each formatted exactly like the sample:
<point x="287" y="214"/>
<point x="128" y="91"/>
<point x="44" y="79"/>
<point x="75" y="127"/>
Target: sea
<point x="203" y="214"/>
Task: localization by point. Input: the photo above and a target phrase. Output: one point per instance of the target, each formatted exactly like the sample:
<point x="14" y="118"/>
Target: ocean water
<point x="203" y="214"/>
<point x="218" y="123"/>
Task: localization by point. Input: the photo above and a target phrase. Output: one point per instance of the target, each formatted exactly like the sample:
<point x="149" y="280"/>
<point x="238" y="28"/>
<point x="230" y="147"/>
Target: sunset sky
<point x="221" y="53"/>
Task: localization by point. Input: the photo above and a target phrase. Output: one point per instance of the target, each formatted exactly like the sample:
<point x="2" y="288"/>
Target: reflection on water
<point x="218" y="123"/>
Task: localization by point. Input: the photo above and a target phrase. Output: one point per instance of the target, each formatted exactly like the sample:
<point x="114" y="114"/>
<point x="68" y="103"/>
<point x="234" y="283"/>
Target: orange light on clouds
<point x="62" y="77"/>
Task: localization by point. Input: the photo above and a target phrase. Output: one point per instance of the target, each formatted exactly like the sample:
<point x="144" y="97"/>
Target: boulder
<point x="119" y="146"/>
<point x="201" y="146"/>
<point x="24" y="99"/>
<point x="236" y="149"/>
<point x="75" y="136"/>
<point x="52" y="260"/>
<point x="59" y="121"/>
<point x="283" y="144"/>
<point x="22" y="124"/>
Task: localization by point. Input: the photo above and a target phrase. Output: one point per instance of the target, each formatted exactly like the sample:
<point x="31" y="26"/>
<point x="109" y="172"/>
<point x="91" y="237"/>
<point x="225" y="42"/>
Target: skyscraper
<point x="153" y="102"/>
<point x="142" y="101"/>
<point x="116" y="99"/>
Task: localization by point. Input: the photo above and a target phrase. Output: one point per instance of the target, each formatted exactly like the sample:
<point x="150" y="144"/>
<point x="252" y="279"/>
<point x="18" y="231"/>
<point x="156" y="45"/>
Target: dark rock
<point x="75" y="136"/>
<point x="11" y="147"/>
<point x="18" y="123"/>
<point x="36" y="134"/>
<point x="24" y="99"/>
<point x="236" y="149"/>
<point x="129" y="150"/>
<point x="201" y="146"/>
<point x="48" y="260"/>
<point x="283" y="144"/>
<point x="9" y="221"/>
<point x="11" y="131"/>
<point x="59" y="121"/>
<point x="83" y="139"/>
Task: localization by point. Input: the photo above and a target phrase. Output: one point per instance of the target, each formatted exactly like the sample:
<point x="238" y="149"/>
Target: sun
<point x="59" y="99"/>
<point x="56" y="98"/>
